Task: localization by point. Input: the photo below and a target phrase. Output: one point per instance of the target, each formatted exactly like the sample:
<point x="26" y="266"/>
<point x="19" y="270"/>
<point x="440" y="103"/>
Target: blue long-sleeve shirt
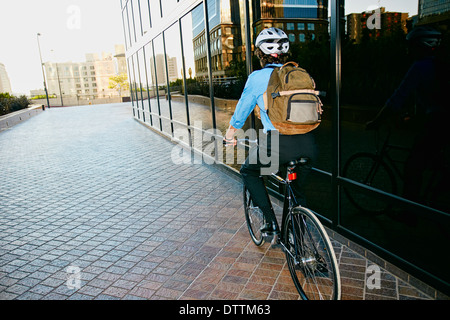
<point x="252" y="95"/>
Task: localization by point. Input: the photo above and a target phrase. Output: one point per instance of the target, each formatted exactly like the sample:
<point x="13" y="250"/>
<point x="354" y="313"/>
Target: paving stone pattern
<point x="90" y="189"/>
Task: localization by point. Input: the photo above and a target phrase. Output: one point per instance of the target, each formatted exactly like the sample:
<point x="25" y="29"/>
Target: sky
<point x="71" y="28"/>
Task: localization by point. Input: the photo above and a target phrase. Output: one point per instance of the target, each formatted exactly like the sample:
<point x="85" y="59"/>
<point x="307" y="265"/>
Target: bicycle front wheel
<point x="310" y="257"/>
<point x="254" y="218"/>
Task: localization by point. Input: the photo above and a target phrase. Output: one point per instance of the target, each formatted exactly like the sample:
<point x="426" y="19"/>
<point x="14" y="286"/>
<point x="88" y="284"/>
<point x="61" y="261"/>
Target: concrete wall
<point x="72" y="101"/>
<point x="11" y="119"/>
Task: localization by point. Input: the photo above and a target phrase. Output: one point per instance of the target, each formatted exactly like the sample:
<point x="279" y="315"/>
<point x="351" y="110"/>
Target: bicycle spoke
<point x="312" y="268"/>
<point x="254" y="218"/>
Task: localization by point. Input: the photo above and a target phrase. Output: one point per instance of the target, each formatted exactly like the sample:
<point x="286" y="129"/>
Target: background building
<point x="5" y="84"/>
<point x="88" y="79"/>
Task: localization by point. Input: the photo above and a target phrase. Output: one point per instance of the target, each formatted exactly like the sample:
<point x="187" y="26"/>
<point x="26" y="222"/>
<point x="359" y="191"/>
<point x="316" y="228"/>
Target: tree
<point x="119" y="82"/>
<point x="9" y="103"/>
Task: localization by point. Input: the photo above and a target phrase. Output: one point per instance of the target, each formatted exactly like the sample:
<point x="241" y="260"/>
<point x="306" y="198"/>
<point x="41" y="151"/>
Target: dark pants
<point x="290" y="148"/>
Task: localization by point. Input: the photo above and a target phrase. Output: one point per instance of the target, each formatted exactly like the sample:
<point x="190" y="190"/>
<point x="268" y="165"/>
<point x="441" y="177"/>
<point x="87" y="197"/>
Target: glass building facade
<point x="433" y="7"/>
<point x="188" y="61"/>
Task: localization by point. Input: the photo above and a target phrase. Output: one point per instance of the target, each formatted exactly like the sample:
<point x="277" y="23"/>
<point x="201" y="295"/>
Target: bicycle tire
<point x="254" y="218"/>
<point x="359" y="168"/>
<point x="310" y="256"/>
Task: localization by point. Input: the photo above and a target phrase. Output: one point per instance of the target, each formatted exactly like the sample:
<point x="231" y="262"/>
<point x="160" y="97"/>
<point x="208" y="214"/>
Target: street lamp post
<point x="43" y="73"/>
<point x="59" y="85"/>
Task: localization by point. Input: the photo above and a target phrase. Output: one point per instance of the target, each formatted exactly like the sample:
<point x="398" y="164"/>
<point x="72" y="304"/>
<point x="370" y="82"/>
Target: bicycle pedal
<point x="267" y="236"/>
<point x="276" y="242"/>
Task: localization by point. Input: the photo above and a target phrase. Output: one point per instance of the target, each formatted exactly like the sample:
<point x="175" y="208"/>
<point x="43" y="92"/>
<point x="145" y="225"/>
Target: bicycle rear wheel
<point x="255" y="219"/>
<point x="368" y="169"/>
<point x="310" y="257"/>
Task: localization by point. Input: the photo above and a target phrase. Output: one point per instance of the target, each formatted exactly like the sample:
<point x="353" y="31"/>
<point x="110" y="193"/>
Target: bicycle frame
<point x="289" y="203"/>
<point x="383" y="154"/>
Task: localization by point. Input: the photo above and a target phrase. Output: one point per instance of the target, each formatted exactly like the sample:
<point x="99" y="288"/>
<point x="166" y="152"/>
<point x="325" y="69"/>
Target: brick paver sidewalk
<point x="90" y="190"/>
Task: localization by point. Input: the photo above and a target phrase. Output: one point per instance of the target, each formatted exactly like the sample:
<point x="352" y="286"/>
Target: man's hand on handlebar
<point x="229" y="142"/>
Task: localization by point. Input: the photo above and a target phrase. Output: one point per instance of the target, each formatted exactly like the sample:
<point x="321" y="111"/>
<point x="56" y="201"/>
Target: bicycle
<point x="309" y="253"/>
<point x="381" y="171"/>
<point x="378" y="170"/>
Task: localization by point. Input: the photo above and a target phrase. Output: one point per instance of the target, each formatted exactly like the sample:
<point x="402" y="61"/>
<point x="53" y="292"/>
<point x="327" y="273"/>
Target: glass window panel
<point x="131" y="22"/>
<point x="145" y="16"/>
<point x="175" y="71"/>
<point x="311" y="9"/>
<point x="167" y="6"/>
<point x="228" y="62"/>
<point x="376" y="45"/>
<point x="143" y="85"/>
<point x="152" y="86"/>
<point x="307" y="54"/>
<point x="131" y="77"/>
<point x="155" y="11"/>
<point x="126" y="28"/>
<point x="398" y="228"/>
<point x="302" y="37"/>
<point x="194" y="44"/>
<point x="291" y="37"/>
<point x="137" y="18"/>
<point x="134" y="84"/>
<point x="405" y="156"/>
<point x="161" y="78"/>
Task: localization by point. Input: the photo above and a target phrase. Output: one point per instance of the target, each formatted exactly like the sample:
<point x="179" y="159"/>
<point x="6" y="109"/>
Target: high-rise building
<point x="5" y="84"/>
<point x="388" y="22"/>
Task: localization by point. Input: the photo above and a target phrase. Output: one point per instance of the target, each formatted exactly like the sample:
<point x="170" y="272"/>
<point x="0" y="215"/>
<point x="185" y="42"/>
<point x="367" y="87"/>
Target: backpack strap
<point x="273" y="81"/>
<point x="295" y="64"/>
<point x="286" y="93"/>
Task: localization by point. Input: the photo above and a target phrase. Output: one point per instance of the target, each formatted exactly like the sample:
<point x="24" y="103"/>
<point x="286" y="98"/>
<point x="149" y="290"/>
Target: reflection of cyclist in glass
<point x="271" y="47"/>
<point x="427" y="79"/>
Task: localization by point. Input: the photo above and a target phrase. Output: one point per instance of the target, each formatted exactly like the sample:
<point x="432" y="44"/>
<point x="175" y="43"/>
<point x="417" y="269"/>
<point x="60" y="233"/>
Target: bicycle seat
<point x="301" y="161"/>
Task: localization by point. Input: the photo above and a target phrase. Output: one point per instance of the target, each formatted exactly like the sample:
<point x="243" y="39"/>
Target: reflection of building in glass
<point x="433" y="7"/>
<point x="389" y="22"/>
<point x="302" y="20"/>
<point x="224" y="23"/>
<point x="434" y="12"/>
<point x="172" y="69"/>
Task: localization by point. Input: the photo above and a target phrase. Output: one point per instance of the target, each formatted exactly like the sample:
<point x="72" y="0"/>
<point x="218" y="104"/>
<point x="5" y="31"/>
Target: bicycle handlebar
<point x="241" y="142"/>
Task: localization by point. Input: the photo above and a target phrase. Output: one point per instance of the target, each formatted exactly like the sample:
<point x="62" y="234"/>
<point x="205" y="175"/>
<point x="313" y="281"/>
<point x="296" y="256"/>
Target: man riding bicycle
<point x="272" y="46"/>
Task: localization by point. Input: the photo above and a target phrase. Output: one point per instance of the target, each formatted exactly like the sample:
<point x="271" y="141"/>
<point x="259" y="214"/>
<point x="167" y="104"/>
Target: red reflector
<point x="292" y="176"/>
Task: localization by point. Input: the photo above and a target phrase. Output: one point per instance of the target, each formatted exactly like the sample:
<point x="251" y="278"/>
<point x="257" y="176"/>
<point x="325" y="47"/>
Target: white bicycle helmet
<point x="273" y="41"/>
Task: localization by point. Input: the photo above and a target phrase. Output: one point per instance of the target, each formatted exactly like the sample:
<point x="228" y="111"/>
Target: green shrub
<point x="9" y="103"/>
